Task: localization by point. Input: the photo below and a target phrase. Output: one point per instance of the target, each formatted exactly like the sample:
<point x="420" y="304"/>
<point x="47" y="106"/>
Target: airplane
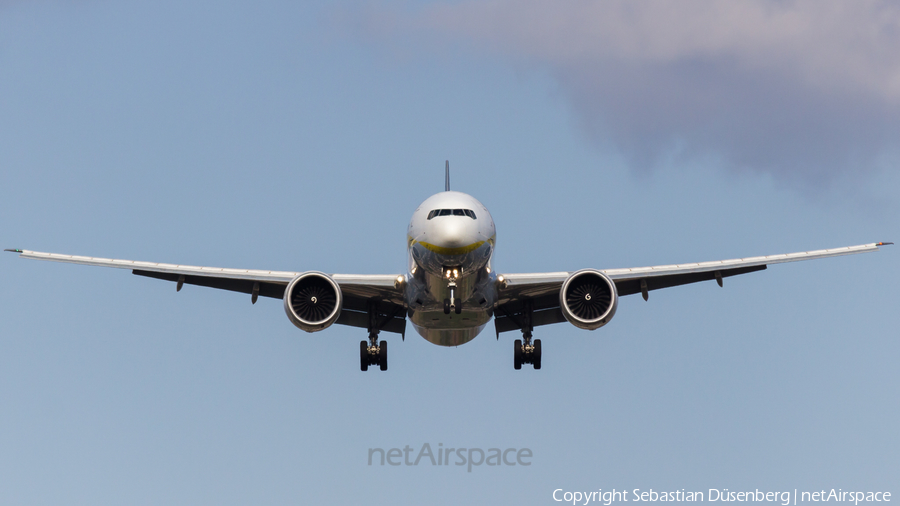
<point x="451" y="290"/>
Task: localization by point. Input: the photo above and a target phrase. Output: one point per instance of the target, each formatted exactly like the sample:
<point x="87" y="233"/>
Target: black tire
<point x="536" y="360"/>
<point x="382" y="356"/>
<point x="517" y="354"/>
<point x="363" y="355"/>
<point x="446" y="306"/>
<point x="458" y="306"/>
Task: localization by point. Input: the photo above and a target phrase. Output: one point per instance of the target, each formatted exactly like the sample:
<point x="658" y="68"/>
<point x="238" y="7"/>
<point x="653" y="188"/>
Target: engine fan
<point x="313" y="301"/>
<point x="588" y="299"/>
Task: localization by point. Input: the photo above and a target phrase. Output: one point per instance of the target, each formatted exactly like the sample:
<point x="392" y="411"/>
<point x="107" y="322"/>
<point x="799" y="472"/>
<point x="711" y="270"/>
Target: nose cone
<point x="455" y="235"/>
<point x="450" y="229"/>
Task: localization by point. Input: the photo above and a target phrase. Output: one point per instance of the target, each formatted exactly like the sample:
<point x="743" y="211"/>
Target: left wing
<point x="541" y="290"/>
<point x="358" y="290"/>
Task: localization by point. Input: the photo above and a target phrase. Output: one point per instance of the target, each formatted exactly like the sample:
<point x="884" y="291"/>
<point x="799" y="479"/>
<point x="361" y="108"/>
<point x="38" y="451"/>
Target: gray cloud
<point x="806" y="90"/>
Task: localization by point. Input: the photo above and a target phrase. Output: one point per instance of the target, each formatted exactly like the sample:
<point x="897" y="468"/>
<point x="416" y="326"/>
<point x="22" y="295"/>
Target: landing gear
<point x="372" y="352"/>
<point x="382" y="356"/>
<point x="363" y="356"/>
<point x="454" y="305"/>
<point x="527" y="352"/>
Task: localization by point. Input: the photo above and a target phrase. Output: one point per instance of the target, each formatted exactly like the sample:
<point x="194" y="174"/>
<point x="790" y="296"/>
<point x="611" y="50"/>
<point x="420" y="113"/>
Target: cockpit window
<point x="451" y="212"/>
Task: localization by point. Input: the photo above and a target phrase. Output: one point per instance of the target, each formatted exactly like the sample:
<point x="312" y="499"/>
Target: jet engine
<point x="588" y="299"/>
<point x="313" y="301"/>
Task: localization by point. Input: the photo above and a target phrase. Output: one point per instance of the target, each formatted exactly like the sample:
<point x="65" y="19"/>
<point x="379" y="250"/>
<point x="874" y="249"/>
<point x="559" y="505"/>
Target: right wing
<point x="542" y="289"/>
<point x="358" y="290"/>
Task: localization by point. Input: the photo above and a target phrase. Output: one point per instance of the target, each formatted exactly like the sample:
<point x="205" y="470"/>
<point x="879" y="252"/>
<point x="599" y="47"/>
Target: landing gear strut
<point x="528" y="352"/>
<point x="453" y="303"/>
<point x="373" y="352"/>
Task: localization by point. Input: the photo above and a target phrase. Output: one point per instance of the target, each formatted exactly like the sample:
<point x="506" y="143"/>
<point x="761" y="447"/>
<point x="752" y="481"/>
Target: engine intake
<point x="313" y="301"/>
<point x="588" y="299"/>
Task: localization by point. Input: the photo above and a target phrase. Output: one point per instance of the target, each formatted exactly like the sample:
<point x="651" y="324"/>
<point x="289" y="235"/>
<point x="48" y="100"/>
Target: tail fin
<point x="447" y="176"/>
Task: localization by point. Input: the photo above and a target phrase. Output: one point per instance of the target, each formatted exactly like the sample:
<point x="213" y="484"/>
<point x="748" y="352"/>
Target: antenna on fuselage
<point x="447" y="176"/>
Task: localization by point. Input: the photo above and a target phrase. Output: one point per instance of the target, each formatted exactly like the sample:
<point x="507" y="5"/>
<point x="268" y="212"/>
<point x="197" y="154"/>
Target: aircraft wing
<point x="357" y="289"/>
<point x="542" y="289"/>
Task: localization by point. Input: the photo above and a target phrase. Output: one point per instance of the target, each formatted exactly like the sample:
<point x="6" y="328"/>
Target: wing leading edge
<point x="541" y="290"/>
<point x="360" y="291"/>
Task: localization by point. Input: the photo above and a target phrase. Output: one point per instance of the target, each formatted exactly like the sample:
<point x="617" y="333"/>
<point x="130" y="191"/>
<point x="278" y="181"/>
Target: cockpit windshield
<point x="452" y="212"/>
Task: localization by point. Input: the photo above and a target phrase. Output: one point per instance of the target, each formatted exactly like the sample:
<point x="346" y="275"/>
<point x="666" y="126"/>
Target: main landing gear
<point x="373" y="352"/>
<point x="528" y="352"/>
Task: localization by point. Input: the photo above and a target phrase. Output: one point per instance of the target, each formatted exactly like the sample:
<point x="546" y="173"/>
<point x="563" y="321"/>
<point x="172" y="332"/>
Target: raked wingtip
<point x="14" y="250"/>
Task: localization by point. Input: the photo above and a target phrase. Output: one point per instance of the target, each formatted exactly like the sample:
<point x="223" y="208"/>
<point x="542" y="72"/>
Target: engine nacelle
<point x="313" y="301"/>
<point x="588" y="299"/>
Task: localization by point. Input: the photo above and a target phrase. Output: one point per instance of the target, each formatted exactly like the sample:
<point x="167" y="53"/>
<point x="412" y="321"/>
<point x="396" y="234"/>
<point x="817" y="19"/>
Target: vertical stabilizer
<point x="447" y="176"/>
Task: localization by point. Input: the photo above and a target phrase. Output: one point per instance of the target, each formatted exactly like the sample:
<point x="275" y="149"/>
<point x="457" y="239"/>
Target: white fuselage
<point x="450" y="241"/>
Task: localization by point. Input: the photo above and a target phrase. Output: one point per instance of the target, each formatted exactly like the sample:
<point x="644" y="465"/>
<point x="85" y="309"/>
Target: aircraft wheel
<point x="536" y="357"/>
<point x="458" y="306"/>
<point x="382" y="356"/>
<point x="363" y="355"/>
<point x="517" y="354"/>
<point x="446" y="306"/>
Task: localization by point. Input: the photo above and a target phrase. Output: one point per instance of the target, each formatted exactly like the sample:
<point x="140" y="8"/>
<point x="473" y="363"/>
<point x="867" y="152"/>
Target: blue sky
<point x="297" y="137"/>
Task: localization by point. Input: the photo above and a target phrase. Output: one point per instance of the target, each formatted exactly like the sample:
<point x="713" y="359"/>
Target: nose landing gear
<point x="453" y="303"/>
